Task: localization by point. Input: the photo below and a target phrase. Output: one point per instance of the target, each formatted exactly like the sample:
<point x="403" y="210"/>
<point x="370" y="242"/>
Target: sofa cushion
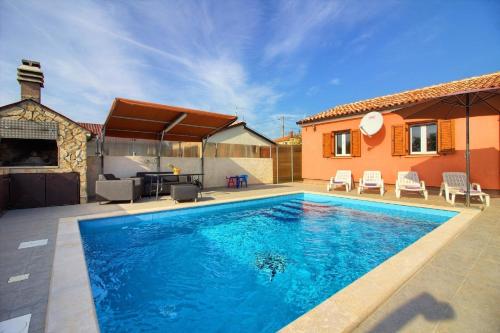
<point x="107" y="176"/>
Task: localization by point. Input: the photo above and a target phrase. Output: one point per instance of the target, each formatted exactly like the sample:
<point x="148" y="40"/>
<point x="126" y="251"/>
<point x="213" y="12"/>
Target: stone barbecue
<point x="37" y="139"/>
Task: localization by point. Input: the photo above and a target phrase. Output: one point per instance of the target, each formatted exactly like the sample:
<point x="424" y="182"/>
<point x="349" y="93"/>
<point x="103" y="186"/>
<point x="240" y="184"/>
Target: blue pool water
<point x="251" y="266"/>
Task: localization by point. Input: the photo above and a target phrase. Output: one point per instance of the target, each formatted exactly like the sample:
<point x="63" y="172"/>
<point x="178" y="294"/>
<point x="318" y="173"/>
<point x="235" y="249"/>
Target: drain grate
<point x="271" y="263"/>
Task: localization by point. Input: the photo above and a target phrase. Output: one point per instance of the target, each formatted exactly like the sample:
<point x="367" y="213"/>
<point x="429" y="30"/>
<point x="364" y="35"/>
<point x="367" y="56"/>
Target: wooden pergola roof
<point x="143" y="120"/>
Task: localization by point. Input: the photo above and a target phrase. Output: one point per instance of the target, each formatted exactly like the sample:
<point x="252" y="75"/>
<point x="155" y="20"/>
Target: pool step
<point x="281" y="218"/>
<point x="306" y="206"/>
<point x="285" y="211"/>
<point x="283" y="214"/>
<point x="291" y="206"/>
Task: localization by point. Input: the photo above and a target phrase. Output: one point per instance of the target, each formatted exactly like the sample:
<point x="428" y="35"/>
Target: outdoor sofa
<point x="149" y="183"/>
<point x="110" y="188"/>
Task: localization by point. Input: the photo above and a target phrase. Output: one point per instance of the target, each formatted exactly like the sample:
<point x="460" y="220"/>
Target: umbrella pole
<point x="467" y="150"/>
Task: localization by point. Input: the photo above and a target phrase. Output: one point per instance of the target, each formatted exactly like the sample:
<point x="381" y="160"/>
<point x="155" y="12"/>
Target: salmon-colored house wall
<point x="376" y="151"/>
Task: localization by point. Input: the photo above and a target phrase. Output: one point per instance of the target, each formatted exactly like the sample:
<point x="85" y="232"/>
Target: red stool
<point x="232" y="181"/>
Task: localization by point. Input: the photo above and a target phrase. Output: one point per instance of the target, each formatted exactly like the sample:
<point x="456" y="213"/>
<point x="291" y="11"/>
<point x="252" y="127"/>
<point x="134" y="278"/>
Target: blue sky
<point x="259" y="59"/>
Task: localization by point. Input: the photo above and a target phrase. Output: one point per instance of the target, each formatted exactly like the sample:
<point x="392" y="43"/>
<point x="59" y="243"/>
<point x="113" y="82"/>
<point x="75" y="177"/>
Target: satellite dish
<point x="371" y="123"/>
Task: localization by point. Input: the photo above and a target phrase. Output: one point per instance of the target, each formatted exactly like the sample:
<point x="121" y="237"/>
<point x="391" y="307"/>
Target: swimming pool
<point x="245" y="266"/>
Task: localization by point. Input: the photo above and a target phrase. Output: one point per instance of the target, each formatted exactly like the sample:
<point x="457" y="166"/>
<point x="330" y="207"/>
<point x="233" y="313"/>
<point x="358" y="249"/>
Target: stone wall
<point x="71" y="142"/>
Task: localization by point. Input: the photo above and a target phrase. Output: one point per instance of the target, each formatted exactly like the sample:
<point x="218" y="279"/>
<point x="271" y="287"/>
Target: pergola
<point x="143" y="120"/>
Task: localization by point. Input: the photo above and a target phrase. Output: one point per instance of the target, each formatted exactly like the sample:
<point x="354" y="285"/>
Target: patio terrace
<point x="458" y="290"/>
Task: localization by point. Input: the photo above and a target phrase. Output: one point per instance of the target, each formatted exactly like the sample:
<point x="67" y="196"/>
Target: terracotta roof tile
<point x="95" y="129"/>
<point x="483" y="82"/>
<point x="287" y="137"/>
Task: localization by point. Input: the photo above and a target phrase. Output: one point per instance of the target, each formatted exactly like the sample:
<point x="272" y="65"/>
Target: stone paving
<point x="457" y="291"/>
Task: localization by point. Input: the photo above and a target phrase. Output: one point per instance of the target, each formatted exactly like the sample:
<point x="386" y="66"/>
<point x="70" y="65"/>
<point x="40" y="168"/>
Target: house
<point x="239" y="133"/>
<point x="418" y="133"/>
<point x="291" y="139"/>
<point x="42" y="152"/>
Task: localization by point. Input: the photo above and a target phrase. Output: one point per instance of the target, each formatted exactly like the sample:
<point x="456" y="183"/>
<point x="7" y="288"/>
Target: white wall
<point x="259" y="170"/>
<point x="126" y="166"/>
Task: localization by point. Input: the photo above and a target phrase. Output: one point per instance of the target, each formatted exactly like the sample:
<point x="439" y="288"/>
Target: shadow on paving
<point x="423" y="304"/>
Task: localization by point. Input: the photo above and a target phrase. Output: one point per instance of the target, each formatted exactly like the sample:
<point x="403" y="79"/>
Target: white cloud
<point x="335" y="81"/>
<point x="296" y="21"/>
<point x="203" y="54"/>
<point x="188" y="54"/>
<point x="312" y="91"/>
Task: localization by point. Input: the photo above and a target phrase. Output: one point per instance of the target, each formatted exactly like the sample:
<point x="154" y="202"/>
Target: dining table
<point x="191" y="178"/>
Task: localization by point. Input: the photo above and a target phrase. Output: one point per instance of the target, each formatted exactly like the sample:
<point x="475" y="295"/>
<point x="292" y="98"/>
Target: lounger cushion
<point x="412" y="187"/>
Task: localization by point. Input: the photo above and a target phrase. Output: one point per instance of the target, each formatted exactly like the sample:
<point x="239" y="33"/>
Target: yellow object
<point x="176" y="171"/>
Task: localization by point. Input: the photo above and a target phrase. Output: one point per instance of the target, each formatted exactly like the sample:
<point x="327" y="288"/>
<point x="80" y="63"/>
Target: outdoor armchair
<point x="371" y="180"/>
<point x="342" y="178"/>
<point x="409" y="181"/>
<point x="110" y="188"/>
<point x="455" y="183"/>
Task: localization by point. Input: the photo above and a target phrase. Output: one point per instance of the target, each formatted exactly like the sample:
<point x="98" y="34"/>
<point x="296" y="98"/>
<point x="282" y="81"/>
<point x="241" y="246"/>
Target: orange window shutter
<point x="398" y="134"/>
<point x="446" y="136"/>
<point x="327" y="144"/>
<point x="355" y="143"/>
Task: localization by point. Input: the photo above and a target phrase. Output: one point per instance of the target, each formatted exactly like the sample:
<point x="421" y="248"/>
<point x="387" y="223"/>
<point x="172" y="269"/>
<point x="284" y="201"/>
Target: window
<point x="423" y="139"/>
<point x="342" y="144"/>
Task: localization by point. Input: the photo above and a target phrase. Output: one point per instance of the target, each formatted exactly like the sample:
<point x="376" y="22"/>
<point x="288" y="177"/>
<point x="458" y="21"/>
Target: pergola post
<point x="166" y="130"/>
<point x="277" y="164"/>
<point x="101" y="150"/>
<point x="203" y="146"/>
<point x="158" y="163"/>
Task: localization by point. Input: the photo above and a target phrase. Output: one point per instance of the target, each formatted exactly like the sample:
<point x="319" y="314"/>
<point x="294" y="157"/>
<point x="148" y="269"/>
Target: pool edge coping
<point x="70" y="280"/>
<point x="350" y="306"/>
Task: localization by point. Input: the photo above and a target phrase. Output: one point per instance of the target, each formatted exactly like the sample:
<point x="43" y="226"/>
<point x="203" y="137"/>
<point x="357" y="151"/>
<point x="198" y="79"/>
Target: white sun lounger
<point x="455" y="183"/>
<point x="409" y="181"/>
<point x="342" y="178"/>
<point x="371" y="180"/>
